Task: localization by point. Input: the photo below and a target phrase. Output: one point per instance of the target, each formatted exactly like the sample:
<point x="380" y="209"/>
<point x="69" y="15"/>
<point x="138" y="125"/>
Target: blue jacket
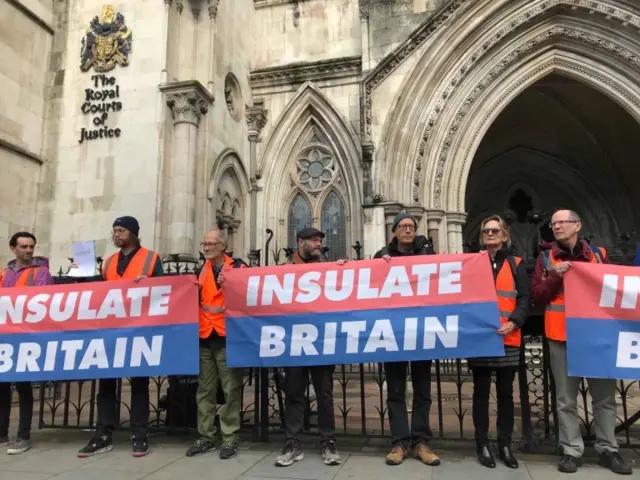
<point x="637" y="262"/>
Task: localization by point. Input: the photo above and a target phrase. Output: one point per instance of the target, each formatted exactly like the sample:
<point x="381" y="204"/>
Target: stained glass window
<point x="299" y="217"/>
<point x="334" y="226"/>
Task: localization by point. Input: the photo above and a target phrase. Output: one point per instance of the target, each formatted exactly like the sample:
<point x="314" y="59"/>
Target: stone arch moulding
<point x="309" y="110"/>
<point x="486" y="56"/>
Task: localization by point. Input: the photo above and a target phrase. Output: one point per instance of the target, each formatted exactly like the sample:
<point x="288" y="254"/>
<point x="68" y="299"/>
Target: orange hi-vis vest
<point x="555" y="321"/>
<point x="507" y="294"/>
<point x="27" y="277"/>
<point x="142" y="263"/>
<point x="212" y="301"/>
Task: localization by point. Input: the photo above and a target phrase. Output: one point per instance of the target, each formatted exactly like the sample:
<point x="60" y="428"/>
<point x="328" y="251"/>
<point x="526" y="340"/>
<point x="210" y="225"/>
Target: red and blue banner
<point x="411" y="308"/>
<point x="603" y="321"/>
<point x="99" y="330"/>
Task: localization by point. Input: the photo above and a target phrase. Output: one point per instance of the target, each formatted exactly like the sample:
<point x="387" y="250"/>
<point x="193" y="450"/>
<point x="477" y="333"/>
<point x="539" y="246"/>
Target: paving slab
<point x="45" y="459"/>
<point x="588" y="471"/>
<point x="121" y="459"/>
<point x="374" y="468"/>
<point x="10" y="475"/>
<point x="310" y="468"/>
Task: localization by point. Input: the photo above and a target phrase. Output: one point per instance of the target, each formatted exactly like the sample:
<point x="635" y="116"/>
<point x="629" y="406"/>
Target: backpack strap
<point x="237" y="263"/>
<point x="597" y="252"/>
<point x="545" y="260"/>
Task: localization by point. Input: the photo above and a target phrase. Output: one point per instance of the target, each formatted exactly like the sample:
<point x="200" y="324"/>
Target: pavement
<point x="54" y="457"/>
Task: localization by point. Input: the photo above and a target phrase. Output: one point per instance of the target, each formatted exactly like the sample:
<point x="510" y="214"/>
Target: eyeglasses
<point x="210" y="244"/>
<point x="408" y="228"/>
<point x="493" y="231"/>
<point x="561" y="223"/>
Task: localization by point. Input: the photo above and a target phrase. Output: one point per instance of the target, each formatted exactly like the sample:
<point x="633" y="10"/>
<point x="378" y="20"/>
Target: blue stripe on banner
<point x="108" y="353"/>
<point x="387" y="335"/>
<point x="603" y="348"/>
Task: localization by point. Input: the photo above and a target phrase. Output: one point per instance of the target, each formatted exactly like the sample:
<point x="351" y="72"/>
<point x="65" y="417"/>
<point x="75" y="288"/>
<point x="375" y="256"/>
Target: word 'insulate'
<point x="305" y="339"/>
<point x="355" y="284"/>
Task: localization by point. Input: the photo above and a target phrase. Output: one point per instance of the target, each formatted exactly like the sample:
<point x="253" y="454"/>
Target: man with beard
<point x="132" y="262"/>
<point x="25" y="270"/>
<point x="297" y="378"/>
<point x="406" y="243"/>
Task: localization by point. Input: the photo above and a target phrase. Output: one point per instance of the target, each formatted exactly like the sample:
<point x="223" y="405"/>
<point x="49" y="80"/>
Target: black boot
<point x="506" y="456"/>
<point x="485" y="458"/>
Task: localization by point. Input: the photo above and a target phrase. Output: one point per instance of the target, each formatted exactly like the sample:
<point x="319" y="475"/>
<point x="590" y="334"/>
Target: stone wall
<point x="25" y="45"/>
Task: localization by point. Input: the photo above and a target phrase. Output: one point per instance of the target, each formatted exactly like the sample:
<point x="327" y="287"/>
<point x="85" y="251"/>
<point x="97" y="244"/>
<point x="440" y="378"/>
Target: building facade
<point x="276" y="114"/>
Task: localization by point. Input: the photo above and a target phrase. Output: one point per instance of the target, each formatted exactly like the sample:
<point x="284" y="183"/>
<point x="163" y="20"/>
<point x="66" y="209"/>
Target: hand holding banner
<point x="99" y="330"/>
<point x="603" y="321"/>
<point x="412" y="308"/>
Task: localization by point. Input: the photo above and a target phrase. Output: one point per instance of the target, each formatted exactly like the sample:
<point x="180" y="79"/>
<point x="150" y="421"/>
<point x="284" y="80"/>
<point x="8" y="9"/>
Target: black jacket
<point x="523" y="287"/>
<point x="420" y="246"/>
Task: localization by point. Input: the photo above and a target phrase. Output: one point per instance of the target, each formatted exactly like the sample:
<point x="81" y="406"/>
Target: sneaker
<point x="426" y="455"/>
<point x="330" y="453"/>
<point x="20" y="446"/>
<point x="227" y="451"/>
<point x="97" y="445"/>
<point x="140" y="447"/>
<point x="4" y="441"/>
<point x="200" y="446"/>
<point x="568" y="464"/>
<point x="292" y="452"/>
<point x="397" y="454"/>
<point x="614" y="462"/>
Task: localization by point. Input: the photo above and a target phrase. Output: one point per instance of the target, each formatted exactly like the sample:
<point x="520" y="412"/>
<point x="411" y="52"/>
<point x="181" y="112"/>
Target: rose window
<point x="315" y="168"/>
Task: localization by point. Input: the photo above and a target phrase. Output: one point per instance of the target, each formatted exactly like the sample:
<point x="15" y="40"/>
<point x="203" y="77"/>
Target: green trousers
<point x="213" y="368"/>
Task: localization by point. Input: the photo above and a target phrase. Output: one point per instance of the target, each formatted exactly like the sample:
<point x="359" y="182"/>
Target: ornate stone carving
<point x="188" y="101"/>
<point x="364" y="9"/>
<point x="530" y="11"/>
<point x="179" y="6"/>
<point x="256" y="118"/>
<point x="499" y="67"/>
<point x="315" y="168"/>
<point x="367" y="160"/>
<point x="213" y="8"/>
<point x="306" y="72"/>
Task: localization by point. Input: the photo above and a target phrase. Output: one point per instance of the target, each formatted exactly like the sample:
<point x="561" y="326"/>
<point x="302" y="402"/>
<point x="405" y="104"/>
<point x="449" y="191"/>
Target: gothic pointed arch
<point x="228" y="205"/>
<point x="478" y="60"/>
<point x="313" y="149"/>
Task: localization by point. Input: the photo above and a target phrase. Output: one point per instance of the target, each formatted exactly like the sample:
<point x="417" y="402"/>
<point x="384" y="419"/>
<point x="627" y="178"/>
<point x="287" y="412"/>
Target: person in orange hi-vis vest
<point x="513" y="292"/>
<point x="547" y="290"/>
<point x="26" y="270"/>
<point x="213" y="354"/>
<point x="135" y="262"/>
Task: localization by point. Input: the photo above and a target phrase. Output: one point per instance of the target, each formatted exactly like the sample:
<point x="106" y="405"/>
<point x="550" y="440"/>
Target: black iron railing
<point x="359" y="391"/>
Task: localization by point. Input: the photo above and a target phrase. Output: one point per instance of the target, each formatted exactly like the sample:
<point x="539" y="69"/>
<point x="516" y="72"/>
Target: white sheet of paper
<point x="84" y="256"/>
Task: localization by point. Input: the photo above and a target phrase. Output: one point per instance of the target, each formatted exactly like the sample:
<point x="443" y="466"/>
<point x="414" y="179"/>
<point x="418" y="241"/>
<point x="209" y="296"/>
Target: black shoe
<point x="200" y="446"/>
<point x="614" y="462"/>
<point x="330" y="453"/>
<point x="98" y="444"/>
<point x="485" y="458"/>
<point x="140" y="446"/>
<point x="292" y="452"/>
<point x="568" y="464"/>
<point x="506" y="456"/>
<point x="227" y="451"/>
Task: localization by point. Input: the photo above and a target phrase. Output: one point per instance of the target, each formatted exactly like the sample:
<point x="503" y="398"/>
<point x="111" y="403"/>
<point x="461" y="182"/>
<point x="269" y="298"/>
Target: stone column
<point x="256" y="120"/>
<point x="455" y="222"/>
<point x="434" y="229"/>
<point x="188" y="101"/>
<point x="364" y="27"/>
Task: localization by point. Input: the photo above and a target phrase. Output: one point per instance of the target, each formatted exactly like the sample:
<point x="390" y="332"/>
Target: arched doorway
<point x="559" y="144"/>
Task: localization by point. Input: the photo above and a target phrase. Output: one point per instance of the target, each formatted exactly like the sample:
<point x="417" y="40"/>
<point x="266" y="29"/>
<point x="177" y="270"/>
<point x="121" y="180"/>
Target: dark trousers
<point x="25" y="403"/>
<point x="108" y="404"/>
<point x="396" y="376"/>
<point x="297" y="380"/>
<point x="504" y="393"/>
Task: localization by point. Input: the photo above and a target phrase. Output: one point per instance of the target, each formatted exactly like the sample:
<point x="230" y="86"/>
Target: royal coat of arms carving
<point x="107" y="42"/>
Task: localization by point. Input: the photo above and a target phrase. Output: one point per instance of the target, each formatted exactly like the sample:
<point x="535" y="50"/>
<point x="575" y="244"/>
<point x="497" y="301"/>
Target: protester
<point x="213" y="355"/>
<point x="513" y="291"/>
<point x="297" y="379"/>
<point x="406" y="243"/>
<point x="26" y="270"/>
<point x="547" y="289"/>
<point x="131" y="262"/>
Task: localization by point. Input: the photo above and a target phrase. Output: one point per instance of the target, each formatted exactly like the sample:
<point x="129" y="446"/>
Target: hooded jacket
<point x="420" y="247"/>
<point x="10" y="275"/>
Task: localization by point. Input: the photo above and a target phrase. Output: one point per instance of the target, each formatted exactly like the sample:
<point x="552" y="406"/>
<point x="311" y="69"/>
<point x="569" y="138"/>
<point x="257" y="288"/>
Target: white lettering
<point x="113" y="304"/>
<point x="159" y="301"/>
<point x="28" y="354"/>
<point x="136" y="295"/>
<point x="272" y="341"/>
<point x="253" y="286"/>
<point x="330" y="334"/>
<point x="381" y="337"/>
<point x="50" y="356"/>
<point x="309" y="289"/>
<point x="13" y="310"/>
<point x="630" y="292"/>
<point x="6" y="357"/>
<point x="140" y="348"/>
<point x="365" y="291"/>
<point x="397" y="282"/>
<point x="70" y="347"/>
<point x="410" y="333"/>
<point x="120" y="354"/>
<point x="85" y="312"/>
<point x="424" y="273"/>
<point x="449" y="278"/>
<point x="609" y="291"/>
<point x="433" y="328"/>
<point x="353" y="330"/>
<point x="283" y="291"/>
<point x="56" y="313"/>
<point x="628" y="350"/>
<point x="37" y="308"/>
<point x="94" y="356"/>
<point x="330" y="285"/>
<point x="302" y="338"/>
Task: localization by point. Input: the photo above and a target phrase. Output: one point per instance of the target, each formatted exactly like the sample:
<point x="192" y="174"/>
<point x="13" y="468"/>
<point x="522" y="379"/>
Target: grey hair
<point x="574" y="217"/>
<point x="222" y="234"/>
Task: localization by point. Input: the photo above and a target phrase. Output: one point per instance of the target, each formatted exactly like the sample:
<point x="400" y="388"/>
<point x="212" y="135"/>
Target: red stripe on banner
<point x="360" y="285"/>
<point x="602" y="292"/>
<point x="98" y="305"/>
